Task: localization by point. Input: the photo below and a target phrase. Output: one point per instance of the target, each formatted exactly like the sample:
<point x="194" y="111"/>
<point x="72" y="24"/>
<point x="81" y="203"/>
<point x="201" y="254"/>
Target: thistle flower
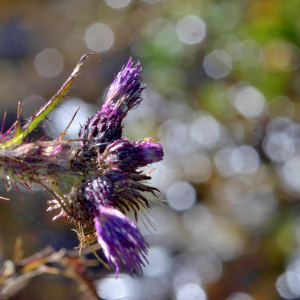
<point x="97" y="180"/>
<point x="120" y="239"/>
<point x="129" y="155"/>
<point x="124" y="94"/>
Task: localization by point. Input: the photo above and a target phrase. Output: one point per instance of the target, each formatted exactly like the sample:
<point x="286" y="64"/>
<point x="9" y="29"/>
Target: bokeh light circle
<point x="99" y="37"/>
<point x="240" y="296"/>
<point x="110" y="288"/>
<point x="223" y="161"/>
<point x="206" y="130"/>
<point x="249" y="102"/>
<point x="118" y="3"/>
<point x="291" y="173"/>
<point x="49" y="63"/>
<point x="191" y="291"/>
<point x="245" y="160"/>
<point x="159" y="262"/>
<point x="181" y="195"/>
<point x="283" y="286"/>
<point x="279" y="146"/>
<point x="218" y="64"/>
<point x="191" y="30"/>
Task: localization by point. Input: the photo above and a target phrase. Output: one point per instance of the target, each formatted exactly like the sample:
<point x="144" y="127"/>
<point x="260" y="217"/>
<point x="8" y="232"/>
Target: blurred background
<point x="223" y="96"/>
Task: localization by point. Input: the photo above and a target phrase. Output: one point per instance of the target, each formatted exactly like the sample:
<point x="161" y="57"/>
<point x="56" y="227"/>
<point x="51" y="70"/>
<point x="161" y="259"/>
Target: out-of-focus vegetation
<point x="223" y="94"/>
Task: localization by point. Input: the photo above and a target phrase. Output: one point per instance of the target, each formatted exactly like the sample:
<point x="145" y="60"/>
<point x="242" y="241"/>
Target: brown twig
<point x="15" y="274"/>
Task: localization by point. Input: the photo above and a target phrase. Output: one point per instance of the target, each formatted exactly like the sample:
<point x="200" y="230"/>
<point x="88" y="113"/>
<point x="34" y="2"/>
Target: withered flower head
<point x="95" y="181"/>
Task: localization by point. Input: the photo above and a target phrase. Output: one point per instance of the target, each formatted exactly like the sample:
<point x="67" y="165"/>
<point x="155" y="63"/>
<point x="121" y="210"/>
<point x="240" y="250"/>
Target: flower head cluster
<point x="96" y="180"/>
<point x="113" y="189"/>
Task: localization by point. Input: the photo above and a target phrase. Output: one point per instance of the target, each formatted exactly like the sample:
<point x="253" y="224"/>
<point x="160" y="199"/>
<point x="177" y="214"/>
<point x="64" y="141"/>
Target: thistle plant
<point x="96" y="179"/>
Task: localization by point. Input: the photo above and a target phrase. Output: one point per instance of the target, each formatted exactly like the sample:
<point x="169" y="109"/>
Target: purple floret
<point x="120" y="240"/>
<point x="125" y="91"/>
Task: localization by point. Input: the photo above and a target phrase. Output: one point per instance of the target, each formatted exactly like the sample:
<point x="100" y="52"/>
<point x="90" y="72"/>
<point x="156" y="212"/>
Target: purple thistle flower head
<point x="125" y="91"/>
<point x="120" y="239"/>
<point x="130" y="155"/>
<point x="102" y="191"/>
<point x="98" y="191"/>
<point x="124" y="94"/>
<point x="103" y="128"/>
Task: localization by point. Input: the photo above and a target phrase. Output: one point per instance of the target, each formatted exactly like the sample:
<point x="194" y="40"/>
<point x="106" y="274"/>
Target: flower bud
<point x="103" y="128"/>
<point x="129" y="155"/>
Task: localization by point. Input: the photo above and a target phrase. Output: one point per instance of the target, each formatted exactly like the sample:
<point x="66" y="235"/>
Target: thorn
<point x="18" y="113"/>
<point x="5" y="184"/>
<point x="43" y="137"/>
<point x="17" y="189"/>
<point x="20" y="109"/>
<point x="48" y="120"/>
<point x="4" y="117"/>
<point x="65" y="131"/>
